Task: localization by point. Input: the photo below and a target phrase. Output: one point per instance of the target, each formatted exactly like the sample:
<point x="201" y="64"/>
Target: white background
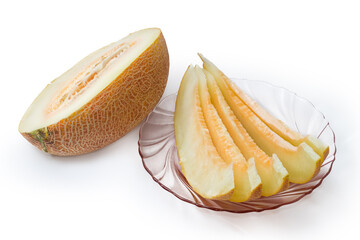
<point x="309" y="47"/>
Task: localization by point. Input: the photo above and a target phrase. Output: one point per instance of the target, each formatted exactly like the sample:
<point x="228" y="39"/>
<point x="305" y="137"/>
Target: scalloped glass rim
<point x="158" y="151"/>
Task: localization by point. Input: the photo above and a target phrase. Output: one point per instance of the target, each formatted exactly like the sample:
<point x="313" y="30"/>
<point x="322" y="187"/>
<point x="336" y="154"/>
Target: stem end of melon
<point x="41" y="136"/>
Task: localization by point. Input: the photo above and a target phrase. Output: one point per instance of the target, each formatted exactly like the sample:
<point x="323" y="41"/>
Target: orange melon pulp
<point x="301" y="162"/>
<point x="274" y="176"/>
<point x="279" y="127"/>
<point x="101" y="98"/>
<point x="204" y="169"/>
<point x="247" y="181"/>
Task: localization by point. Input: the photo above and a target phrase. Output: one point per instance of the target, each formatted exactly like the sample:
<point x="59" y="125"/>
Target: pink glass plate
<point x="159" y="154"/>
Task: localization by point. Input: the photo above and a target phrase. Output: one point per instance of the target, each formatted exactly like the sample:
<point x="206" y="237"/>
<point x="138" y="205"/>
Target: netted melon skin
<point x="115" y="111"/>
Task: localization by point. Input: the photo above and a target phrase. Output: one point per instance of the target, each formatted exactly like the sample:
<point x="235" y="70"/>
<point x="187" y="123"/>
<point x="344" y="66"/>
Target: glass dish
<point x="158" y="151"/>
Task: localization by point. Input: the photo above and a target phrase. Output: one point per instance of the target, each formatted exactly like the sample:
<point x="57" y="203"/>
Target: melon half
<point x="101" y="98"/>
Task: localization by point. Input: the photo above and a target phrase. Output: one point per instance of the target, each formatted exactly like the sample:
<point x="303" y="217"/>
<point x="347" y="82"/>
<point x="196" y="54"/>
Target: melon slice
<point x="207" y="173"/>
<point x="247" y="181"/>
<point x="294" y="137"/>
<point x="279" y="127"/>
<point x="101" y="98"/>
<point x="274" y="176"/>
<point x="301" y="162"/>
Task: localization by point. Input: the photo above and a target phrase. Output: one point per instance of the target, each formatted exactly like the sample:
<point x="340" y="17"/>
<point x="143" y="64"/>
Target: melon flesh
<point x="207" y="173"/>
<point x="276" y="125"/>
<point x="301" y="162"/>
<point x="101" y="98"/>
<point x="247" y="181"/>
<point x="274" y="176"/>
